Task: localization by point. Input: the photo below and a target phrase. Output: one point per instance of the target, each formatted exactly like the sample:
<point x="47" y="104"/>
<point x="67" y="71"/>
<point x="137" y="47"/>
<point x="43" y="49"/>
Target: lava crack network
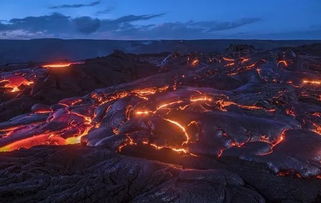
<point x="251" y="109"/>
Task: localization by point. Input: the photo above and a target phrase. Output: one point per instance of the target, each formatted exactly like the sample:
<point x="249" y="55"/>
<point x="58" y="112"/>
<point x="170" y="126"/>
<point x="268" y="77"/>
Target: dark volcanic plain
<point x="240" y="125"/>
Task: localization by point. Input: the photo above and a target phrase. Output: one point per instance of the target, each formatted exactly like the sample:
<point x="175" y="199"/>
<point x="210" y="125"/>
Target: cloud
<point x="124" y="27"/>
<point x="86" y="25"/>
<point x="231" y="25"/>
<point x="75" y="5"/>
<point x="104" y="11"/>
<point x="184" y="30"/>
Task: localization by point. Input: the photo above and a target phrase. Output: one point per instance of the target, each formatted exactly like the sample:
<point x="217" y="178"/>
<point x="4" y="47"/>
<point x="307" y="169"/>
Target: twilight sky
<point x="164" y="19"/>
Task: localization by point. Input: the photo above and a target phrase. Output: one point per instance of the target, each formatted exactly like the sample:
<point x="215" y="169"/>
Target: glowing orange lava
<point x="195" y="62"/>
<point x="61" y="65"/>
<point x="312" y="82"/>
<point x="143" y="113"/>
<point x="168" y="104"/>
<point x="228" y="59"/>
<point x="44" y="139"/>
<point x="284" y="62"/>
<point x="180" y="126"/>
<point x="14" y="83"/>
<point x="244" y="60"/>
<point x="280" y="139"/>
<point x="201" y="99"/>
<point x="57" y="65"/>
<point x="317" y="128"/>
<point x="224" y="104"/>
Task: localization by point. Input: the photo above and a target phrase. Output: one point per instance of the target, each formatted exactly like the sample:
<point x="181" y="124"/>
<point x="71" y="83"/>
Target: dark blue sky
<point x="164" y="19"/>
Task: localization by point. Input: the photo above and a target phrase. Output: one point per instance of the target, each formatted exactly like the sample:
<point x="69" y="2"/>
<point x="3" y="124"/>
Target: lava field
<point x="238" y="126"/>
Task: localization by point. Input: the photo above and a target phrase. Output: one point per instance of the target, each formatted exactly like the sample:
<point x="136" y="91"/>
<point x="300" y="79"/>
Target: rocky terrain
<point x="239" y="126"/>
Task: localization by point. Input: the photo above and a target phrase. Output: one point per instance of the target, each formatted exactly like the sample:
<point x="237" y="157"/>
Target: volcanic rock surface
<point x="49" y="85"/>
<point x="242" y="126"/>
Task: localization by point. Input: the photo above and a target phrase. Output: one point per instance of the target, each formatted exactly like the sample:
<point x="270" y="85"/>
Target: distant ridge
<point x="38" y="50"/>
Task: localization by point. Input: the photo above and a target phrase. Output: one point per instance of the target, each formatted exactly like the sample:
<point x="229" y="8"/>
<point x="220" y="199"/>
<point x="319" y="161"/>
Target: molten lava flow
<point x="280" y="139"/>
<point x="14" y="83"/>
<point x="61" y="65"/>
<point x="289" y="173"/>
<point x="228" y="59"/>
<point x="317" y="128"/>
<point x="57" y="65"/>
<point x="199" y="110"/>
<point x="229" y="64"/>
<point x="168" y="104"/>
<point x="77" y="125"/>
<point x="244" y="60"/>
<point x="142" y="113"/>
<point x="283" y="62"/>
<point x="180" y="126"/>
<point x="290" y="112"/>
<point x="45" y="139"/>
<point x="316" y="114"/>
<point x="223" y="104"/>
<point x="201" y="99"/>
<point x="312" y="82"/>
<point x="195" y="62"/>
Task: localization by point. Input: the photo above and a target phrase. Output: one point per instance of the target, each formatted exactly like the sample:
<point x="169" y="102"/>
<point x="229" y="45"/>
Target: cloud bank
<point x="95" y="3"/>
<point x="125" y="27"/>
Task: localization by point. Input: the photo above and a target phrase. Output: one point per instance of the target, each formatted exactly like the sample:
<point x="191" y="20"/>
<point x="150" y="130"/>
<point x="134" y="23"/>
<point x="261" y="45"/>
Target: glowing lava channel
<point x="61" y="65"/>
<point x="312" y="82"/>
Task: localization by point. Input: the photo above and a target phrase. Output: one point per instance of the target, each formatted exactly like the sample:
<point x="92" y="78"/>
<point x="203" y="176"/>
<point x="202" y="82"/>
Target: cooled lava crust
<point x="242" y="126"/>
